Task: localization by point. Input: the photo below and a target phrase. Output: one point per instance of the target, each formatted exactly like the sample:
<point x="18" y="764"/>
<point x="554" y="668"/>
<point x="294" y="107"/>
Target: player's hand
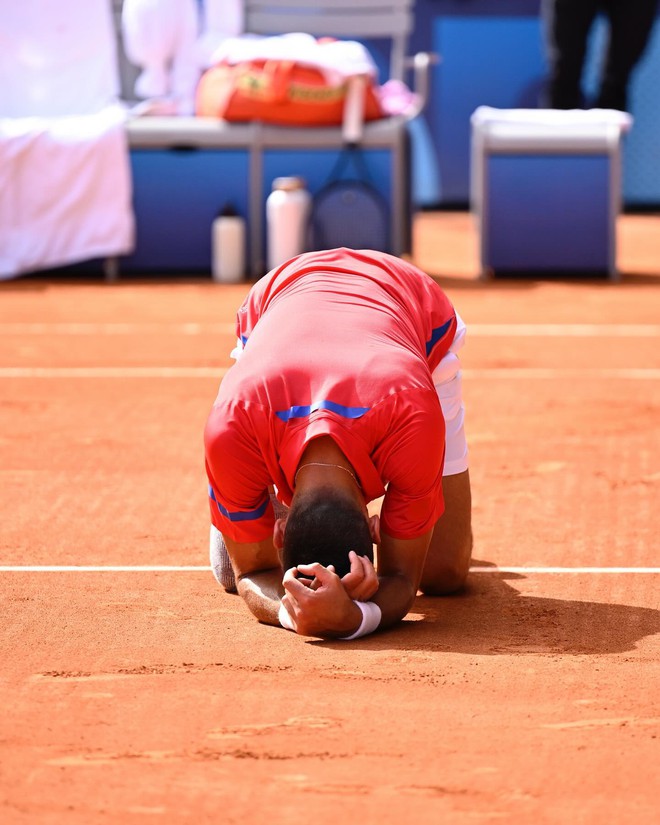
<point x="361" y="582"/>
<point x="324" y="610"/>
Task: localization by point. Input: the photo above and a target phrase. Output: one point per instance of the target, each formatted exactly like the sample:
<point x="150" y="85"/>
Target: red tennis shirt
<point x="339" y="343"/>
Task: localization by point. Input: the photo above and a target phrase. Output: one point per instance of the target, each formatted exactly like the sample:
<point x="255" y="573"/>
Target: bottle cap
<point x="289" y="184"/>
<point x="228" y="211"/>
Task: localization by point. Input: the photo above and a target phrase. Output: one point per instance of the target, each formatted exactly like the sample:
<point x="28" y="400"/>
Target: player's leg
<point x="448" y="559"/>
<point x="219" y="557"/>
<point x="450" y="552"/>
<point x="220" y="562"/>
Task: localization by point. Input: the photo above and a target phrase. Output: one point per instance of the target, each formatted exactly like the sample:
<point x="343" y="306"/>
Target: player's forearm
<point x="262" y="592"/>
<point x="395" y="597"/>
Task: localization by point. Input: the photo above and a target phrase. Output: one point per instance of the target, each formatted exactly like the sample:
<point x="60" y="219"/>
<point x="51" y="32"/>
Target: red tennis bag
<point x="282" y="92"/>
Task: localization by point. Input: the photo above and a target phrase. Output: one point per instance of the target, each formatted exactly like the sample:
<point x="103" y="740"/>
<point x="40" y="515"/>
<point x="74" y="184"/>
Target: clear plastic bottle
<point x="287" y="215"/>
<point x="228" y="247"/>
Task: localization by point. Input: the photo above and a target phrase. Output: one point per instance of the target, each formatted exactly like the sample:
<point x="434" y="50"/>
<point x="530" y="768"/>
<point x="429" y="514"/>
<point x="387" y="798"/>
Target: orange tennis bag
<point x="282" y="92"/>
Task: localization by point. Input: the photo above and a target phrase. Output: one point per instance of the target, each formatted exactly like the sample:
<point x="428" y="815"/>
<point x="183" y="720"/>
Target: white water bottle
<point x="287" y="216"/>
<point x="228" y="247"/>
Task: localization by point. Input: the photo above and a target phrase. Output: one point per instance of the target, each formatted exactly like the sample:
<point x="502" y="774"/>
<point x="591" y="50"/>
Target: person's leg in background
<point x="631" y="23"/>
<point x="566" y="25"/>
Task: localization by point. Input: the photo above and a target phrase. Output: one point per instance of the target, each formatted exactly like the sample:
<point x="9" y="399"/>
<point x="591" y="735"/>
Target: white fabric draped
<point x="65" y="191"/>
<point x="172" y="41"/>
<point x="56" y="58"/>
<point x="65" y="186"/>
<point x="160" y="37"/>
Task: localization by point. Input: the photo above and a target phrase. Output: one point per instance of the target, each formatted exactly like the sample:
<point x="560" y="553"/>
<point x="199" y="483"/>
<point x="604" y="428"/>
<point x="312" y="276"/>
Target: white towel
<point x="160" y="36"/>
<point x="337" y="59"/>
<point x="65" y="190"/>
<point x="555" y="118"/>
<point x="57" y="58"/>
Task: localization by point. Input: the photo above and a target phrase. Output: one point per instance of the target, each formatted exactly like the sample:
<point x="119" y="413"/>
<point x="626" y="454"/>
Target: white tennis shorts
<point x="448" y="384"/>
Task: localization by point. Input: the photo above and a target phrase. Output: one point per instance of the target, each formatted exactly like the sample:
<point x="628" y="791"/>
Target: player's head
<point x="324" y="526"/>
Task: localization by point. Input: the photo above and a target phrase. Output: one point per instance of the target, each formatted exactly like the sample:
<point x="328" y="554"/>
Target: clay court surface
<point x="134" y="690"/>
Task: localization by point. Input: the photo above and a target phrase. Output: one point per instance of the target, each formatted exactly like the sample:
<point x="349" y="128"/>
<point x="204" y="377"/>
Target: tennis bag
<point x="282" y="92"/>
<point x="348" y="210"/>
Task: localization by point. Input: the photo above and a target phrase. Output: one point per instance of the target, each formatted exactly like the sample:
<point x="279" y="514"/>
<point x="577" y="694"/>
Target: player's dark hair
<point x="324" y="527"/>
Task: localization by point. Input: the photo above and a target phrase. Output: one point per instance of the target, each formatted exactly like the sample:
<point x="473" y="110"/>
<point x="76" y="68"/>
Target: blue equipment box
<point x="546" y="190"/>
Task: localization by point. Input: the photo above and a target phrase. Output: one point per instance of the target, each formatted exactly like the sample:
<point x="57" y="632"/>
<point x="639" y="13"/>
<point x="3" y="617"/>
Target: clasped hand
<point x="321" y="604"/>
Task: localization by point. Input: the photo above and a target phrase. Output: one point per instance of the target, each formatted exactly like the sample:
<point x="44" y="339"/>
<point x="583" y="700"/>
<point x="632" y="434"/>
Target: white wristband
<point x="371" y="616"/>
<point x="285" y="619"/>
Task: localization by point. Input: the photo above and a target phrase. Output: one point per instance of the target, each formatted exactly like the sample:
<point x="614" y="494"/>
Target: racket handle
<point x="354" y="109"/>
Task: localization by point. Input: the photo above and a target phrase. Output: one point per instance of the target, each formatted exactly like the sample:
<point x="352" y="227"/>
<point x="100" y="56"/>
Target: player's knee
<point x="443" y="582"/>
<point x="448" y="573"/>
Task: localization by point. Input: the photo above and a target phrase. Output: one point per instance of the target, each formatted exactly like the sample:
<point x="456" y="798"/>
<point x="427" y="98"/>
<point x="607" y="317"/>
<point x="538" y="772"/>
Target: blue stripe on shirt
<point x="307" y="409"/>
<point x="436" y="335"/>
<point x="243" y="515"/>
